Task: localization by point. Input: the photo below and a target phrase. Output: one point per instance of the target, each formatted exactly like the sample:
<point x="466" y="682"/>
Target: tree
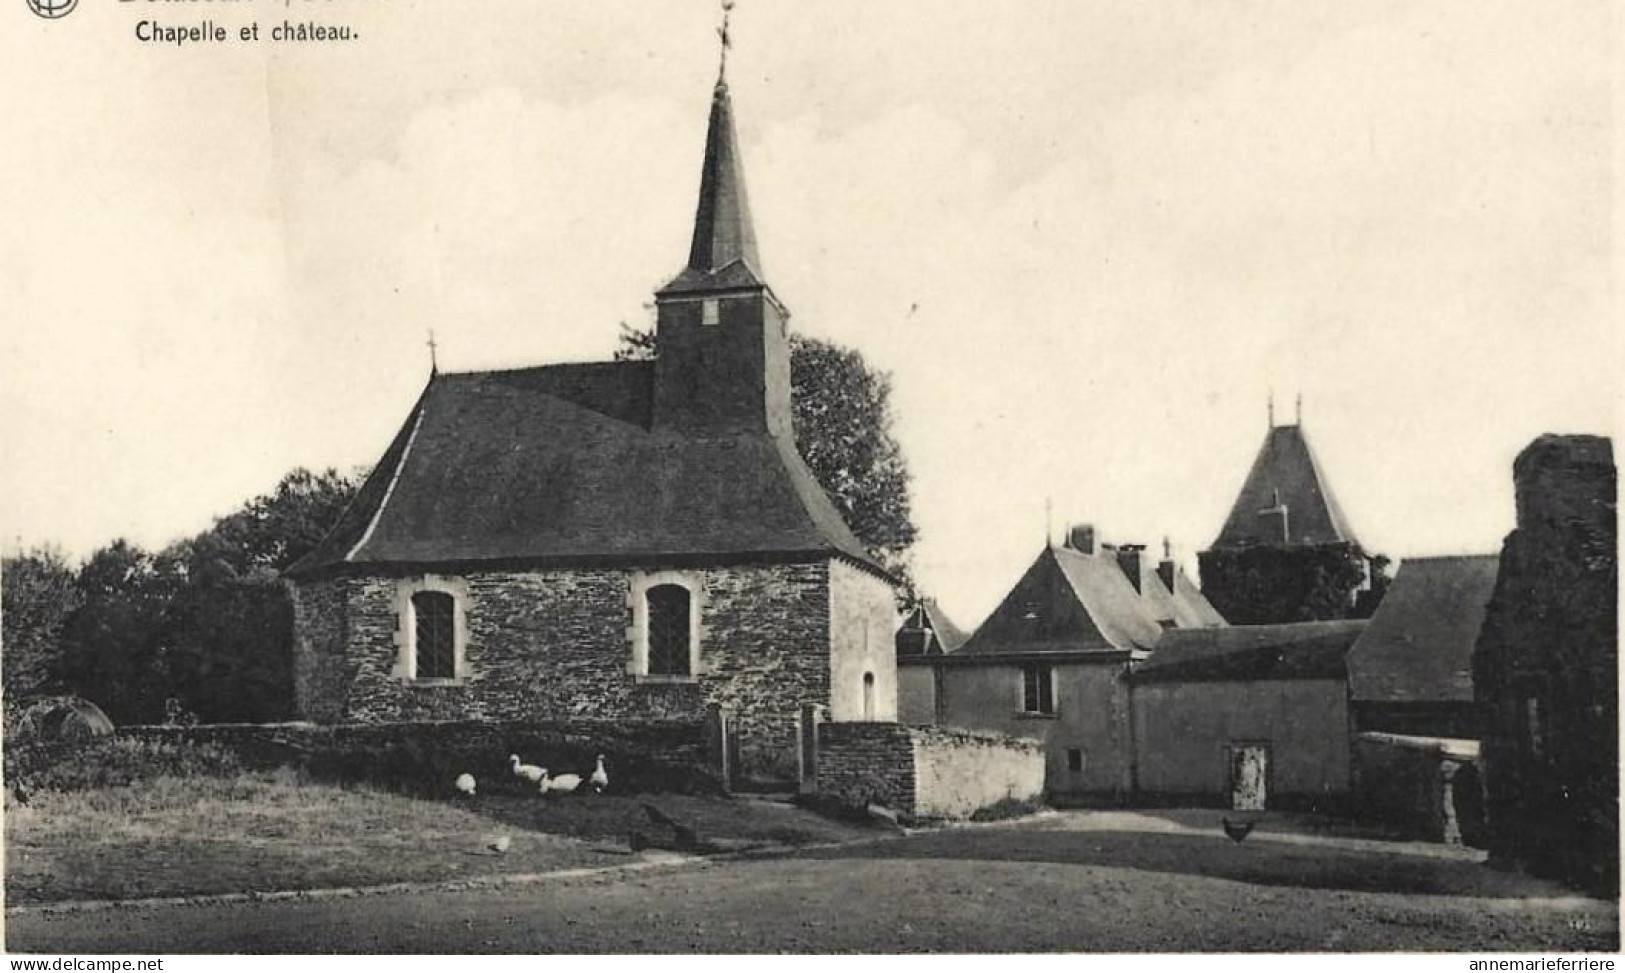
<point x="1267" y="585"/>
<point x="37" y="594"/>
<point x="842" y="414"/>
<point x="109" y="655"/>
<point x="224" y="640"/>
<point x="272" y="531"/>
<point x="205" y="621"/>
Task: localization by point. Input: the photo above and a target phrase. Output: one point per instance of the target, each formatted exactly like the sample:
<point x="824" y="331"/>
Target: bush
<point x="424" y="759"/>
<point x="110" y="762"/>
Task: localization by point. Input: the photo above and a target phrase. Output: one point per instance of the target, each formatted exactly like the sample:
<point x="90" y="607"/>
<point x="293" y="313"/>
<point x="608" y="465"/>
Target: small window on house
<point x="868" y="697"/>
<point x="711" y="312"/>
<point x="434" y="621"/>
<point x="1074" y="761"/>
<point x="670" y="630"/>
<point x="1038" y="689"/>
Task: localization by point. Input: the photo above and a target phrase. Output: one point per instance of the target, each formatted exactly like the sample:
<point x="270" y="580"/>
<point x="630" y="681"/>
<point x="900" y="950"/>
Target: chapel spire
<point x="723" y="232"/>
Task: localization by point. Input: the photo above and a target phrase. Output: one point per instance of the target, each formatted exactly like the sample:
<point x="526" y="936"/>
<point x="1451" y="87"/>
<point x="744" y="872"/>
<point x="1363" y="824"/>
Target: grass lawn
<point x="272" y="831"/>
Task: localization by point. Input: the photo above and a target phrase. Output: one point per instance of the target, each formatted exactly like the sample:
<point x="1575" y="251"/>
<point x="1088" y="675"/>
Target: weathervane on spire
<point x="727" y="41"/>
<point x="434" y="363"/>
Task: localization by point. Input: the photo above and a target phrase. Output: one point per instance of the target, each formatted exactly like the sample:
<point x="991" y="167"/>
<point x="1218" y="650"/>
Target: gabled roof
<point x="722" y="253"/>
<point x="1419" y="646"/>
<point x="1284" y="486"/>
<point x="1066" y="602"/>
<point x="1302" y="650"/>
<point x="560" y="465"/>
<point x="1181" y="606"/>
<point x="927" y="630"/>
<point x="1191" y="607"/>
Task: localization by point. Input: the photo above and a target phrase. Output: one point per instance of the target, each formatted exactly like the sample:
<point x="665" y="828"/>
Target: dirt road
<point x="1072" y="882"/>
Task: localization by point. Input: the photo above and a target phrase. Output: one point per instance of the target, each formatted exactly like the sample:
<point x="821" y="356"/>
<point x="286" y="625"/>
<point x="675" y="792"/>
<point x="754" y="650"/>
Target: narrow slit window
<point x="711" y="312"/>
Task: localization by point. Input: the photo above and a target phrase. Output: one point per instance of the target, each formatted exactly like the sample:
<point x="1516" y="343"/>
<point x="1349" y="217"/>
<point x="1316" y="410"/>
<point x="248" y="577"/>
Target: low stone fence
<point x="925" y="771"/>
<point x="1428" y="787"/>
<point x="427" y="757"/>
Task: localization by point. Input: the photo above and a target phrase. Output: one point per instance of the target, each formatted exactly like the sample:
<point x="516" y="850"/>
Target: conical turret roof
<point x="1286" y="501"/>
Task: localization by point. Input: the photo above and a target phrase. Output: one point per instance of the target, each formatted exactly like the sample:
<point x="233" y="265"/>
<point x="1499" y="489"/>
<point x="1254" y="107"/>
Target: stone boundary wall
<point x="426" y="757"/>
<point x="925" y="771"/>
<point x="957" y="772"/>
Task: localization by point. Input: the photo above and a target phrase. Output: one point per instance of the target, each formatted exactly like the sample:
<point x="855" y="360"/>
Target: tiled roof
<point x="560" y="465"/>
<point x="1284" y="484"/>
<point x="1419" y="646"/>
<point x="1303" y="650"/>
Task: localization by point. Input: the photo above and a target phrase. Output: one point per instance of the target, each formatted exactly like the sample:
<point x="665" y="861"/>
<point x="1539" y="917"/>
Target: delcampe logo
<point x="52" y="9"/>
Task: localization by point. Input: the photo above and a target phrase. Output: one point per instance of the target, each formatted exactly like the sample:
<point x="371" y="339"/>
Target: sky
<point x="1087" y="239"/>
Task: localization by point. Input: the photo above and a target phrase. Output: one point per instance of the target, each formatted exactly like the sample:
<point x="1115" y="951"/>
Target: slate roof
<point x="723" y="252"/>
<point x="560" y="465"/>
<point x="1419" y="646"/>
<point x="563" y="465"/>
<point x="1285" y="474"/>
<point x="1302" y="650"/>
<point x="1191" y="607"/>
<point x="927" y="630"/>
<point x="1068" y="602"/>
<point x="1182" y="606"/>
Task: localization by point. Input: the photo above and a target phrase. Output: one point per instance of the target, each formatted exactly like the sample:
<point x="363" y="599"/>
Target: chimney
<point x="1081" y="538"/>
<point x="1167" y="570"/>
<point x="1130" y="558"/>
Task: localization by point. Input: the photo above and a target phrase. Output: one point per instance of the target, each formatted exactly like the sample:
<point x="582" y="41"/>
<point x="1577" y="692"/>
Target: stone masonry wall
<point x="1545" y="670"/>
<point x="318" y="648"/>
<point x="552" y="645"/>
<point x="926" y="772"/>
<point x="867" y="763"/>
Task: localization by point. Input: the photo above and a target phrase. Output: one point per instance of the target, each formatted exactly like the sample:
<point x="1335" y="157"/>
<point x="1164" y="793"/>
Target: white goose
<point x="600" y="777"/>
<point x="465" y="784"/>
<point x="530" y="772"/>
<point x="563" y="783"/>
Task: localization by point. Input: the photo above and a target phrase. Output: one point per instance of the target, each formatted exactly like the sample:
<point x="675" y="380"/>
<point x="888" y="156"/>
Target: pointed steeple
<point x="722" y="362"/>
<point x="723" y="232"/>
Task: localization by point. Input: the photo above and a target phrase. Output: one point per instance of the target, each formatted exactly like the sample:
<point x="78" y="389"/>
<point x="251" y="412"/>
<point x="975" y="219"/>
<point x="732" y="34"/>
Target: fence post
<point x="716" y="738"/>
<point x="807" y="748"/>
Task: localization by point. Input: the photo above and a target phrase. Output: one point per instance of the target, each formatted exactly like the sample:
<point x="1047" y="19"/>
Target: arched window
<point x="868" y="697"/>
<point x="434" y="619"/>
<point x="670" y="630"/>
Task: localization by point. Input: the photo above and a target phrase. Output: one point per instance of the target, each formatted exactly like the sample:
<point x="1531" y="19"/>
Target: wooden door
<point x="1249" y="776"/>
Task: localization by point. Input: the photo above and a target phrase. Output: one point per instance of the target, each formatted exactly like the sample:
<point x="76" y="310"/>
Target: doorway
<point x="1249" y="776"/>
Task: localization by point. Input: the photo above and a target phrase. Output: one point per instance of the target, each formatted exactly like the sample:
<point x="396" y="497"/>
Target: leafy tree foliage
<point x="108" y="647"/>
<point x="37" y="594"/>
<point x="1267" y="585"/>
<point x="205" y="622"/>
<point x="843" y="424"/>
